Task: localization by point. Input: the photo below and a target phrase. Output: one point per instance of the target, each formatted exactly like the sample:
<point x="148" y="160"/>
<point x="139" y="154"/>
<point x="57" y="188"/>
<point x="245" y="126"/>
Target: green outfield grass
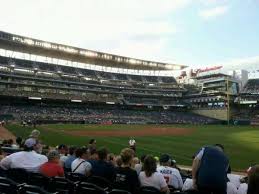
<point x="241" y="142"/>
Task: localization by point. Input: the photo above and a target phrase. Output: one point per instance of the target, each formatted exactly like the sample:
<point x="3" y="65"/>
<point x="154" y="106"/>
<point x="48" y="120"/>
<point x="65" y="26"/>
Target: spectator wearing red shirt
<point x="52" y="168"/>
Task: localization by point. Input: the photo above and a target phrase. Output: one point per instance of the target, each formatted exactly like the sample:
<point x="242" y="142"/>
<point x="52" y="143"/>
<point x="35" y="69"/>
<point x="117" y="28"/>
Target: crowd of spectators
<point x="251" y="87"/>
<point x="211" y="172"/>
<point x="91" y="115"/>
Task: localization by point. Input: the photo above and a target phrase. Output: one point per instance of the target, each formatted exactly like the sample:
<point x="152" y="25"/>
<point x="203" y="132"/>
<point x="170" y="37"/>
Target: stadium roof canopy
<point x="53" y="50"/>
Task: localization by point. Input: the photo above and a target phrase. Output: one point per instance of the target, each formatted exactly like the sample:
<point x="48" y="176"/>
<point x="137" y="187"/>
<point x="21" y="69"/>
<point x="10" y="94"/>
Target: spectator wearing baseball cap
<point x="28" y="159"/>
<point x="52" y="168"/>
<point x="171" y="175"/>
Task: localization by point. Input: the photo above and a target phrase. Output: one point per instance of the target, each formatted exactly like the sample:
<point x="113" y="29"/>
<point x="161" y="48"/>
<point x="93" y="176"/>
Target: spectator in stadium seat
<point x="19" y="142"/>
<point x="92" y="144"/>
<point x="28" y="159"/>
<point x="125" y="177"/>
<point x="209" y="170"/>
<point x="139" y="167"/>
<point x="62" y="150"/>
<point x="93" y="154"/>
<point x="253" y="180"/>
<point x="70" y="158"/>
<point x="80" y="164"/>
<point x="150" y="177"/>
<point x="52" y="168"/>
<point x="118" y="161"/>
<point x="102" y="167"/>
<point x="171" y="175"/>
<point x="135" y="161"/>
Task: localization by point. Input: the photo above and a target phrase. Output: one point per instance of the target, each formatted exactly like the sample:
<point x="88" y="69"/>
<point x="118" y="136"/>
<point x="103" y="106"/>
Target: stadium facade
<point x="49" y="82"/>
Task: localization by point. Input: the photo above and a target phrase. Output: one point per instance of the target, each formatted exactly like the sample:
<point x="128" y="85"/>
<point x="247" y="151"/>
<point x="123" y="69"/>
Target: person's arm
<point x="61" y="172"/>
<point x="6" y="162"/>
<point x="165" y="190"/>
<point x="180" y="180"/>
<point x="88" y="168"/>
<point x="195" y="166"/>
<point x="163" y="185"/>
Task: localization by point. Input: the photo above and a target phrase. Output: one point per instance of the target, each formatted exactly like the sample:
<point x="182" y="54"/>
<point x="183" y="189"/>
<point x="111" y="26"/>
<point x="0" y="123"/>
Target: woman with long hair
<point x="150" y="177"/>
<point x="253" y="180"/>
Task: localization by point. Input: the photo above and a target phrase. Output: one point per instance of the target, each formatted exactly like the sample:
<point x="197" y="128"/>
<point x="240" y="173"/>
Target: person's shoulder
<point x="158" y="174"/>
<point x="86" y="163"/>
<point x="75" y="161"/>
<point x="160" y="168"/>
<point x="142" y="173"/>
<point x="39" y="155"/>
<point x="174" y="170"/>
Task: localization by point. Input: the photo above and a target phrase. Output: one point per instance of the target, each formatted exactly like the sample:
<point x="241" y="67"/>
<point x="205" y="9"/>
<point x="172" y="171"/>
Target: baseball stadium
<point x="72" y="95"/>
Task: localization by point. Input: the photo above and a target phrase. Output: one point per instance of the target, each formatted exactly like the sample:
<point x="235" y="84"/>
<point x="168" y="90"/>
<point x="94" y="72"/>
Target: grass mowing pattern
<point x="241" y="142"/>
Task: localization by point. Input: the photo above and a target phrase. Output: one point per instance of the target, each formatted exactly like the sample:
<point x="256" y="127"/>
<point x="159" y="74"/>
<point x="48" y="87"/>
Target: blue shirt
<point x="69" y="161"/>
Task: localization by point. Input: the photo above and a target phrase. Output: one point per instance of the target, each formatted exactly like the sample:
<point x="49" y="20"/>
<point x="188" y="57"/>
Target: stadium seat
<point x="61" y="185"/>
<point x="38" y="180"/>
<point x="88" y="188"/>
<point x="67" y="170"/>
<point x="32" y="189"/>
<point x="119" y="191"/>
<point x="8" y="186"/>
<point x="18" y="175"/>
<point x="149" y="190"/>
<point x="76" y="177"/>
<point x="3" y="172"/>
<point x="173" y="190"/>
<point x="100" y="182"/>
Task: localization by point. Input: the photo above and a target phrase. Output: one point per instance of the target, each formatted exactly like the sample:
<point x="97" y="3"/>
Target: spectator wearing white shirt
<point x="28" y="159"/>
<point x="80" y="165"/>
<point x="150" y="177"/>
<point x="171" y="175"/>
<point x="231" y="188"/>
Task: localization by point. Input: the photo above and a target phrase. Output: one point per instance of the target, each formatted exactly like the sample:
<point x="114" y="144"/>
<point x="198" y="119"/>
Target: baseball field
<point x="181" y="141"/>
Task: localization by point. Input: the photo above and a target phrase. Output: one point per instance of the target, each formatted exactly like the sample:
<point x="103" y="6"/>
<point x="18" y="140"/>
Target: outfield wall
<point x="220" y="114"/>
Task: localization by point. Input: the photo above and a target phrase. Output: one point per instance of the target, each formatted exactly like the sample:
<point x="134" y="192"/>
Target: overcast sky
<point x="191" y="32"/>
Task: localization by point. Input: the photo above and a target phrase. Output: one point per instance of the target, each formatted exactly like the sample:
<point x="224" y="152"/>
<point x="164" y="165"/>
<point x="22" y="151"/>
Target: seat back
<point x="61" y="185"/>
<point x="100" y="182"/>
<point x="3" y="173"/>
<point x="18" y="175"/>
<point x="8" y="186"/>
<point x="31" y="189"/>
<point x="149" y="190"/>
<point x="38" y="180"/>
<point x="88" y="188"/>
<point x="119" y="191"/>
<point x="76" y="177"/>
